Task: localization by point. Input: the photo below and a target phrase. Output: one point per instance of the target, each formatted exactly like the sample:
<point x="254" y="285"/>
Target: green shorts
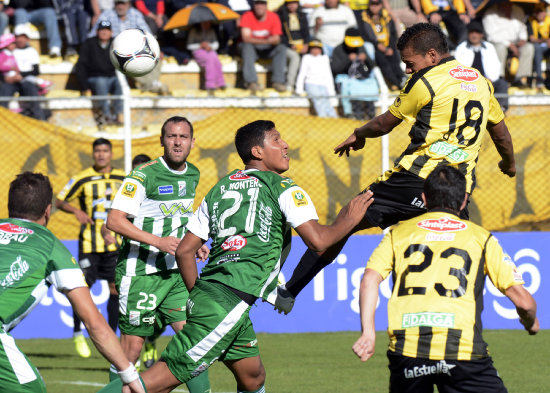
<point x="17" y="373"/>
<point x="146" y="301"/>
<point x="218" y="328"/>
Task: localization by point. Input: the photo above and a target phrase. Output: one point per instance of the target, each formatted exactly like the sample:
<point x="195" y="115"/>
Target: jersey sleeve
<point x="131" y="194"/>
<point x="495" y="111"/>
<point x="199" y="223"/>
<point x="65" y="274"/>
<point x="67" y="193"/>
<point x="409" y="102"/>
<point x="382" y="258"/>
<point x="297" y="206"/>
<point x="500" y="268"/>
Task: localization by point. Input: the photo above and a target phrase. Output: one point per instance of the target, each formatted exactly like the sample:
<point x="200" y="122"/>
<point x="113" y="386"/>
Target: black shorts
<point x="396" y="199"/>
<point x="98" y="266"/>
<point x="411" y="375"/>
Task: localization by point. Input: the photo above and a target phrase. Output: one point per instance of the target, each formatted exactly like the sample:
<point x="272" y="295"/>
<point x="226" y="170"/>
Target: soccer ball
<point x="135" y="52"/>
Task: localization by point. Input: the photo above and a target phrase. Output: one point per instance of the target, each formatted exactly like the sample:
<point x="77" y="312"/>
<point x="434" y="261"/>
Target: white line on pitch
<point x="97" y="384"/>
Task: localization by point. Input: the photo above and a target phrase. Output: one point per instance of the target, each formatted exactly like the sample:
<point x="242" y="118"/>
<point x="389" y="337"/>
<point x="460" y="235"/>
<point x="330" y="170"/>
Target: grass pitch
<point x="304" y="363"/>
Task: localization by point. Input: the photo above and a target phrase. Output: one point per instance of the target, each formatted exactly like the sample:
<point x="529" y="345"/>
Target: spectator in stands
<point x="378" y="28"/>
<point x="203" y="44"/>
<point x="4" y="18"/>
<point x="404" y="13"/>
<point x="308" y="6"/>
<point x="13" y="80"/>
<point x="153" y="12"/>
<point x="315" y="78"/>
<point x="28" y="60"/>
<point x="504" y="24"/>
<point x="452" y="13"/>
<point x="39" y="12"/>
<point x="295" y="37"/>
<point x="96" y="74"/>
<point x="261" y="38"/>
<point x="97" y="7"/>
<point x="350" y="62"/>
<point x="76" y="21"/>
<point x="123" y="17"/>
<point x="329" y="23"/>
<point x="480" y="54"/>
<point x="538" y="29"/>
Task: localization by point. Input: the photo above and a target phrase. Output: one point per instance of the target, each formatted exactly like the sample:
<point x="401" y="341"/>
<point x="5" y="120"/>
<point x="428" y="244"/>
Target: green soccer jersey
<point x="157" y="200"/>
<point x="248" y="215"/>
<point x="32" y="260"/>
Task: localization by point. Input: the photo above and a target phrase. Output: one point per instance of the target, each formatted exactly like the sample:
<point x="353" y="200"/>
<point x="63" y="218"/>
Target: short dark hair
<point x="445" y="188"/>
<point x="422" y="37"/>
<point x="102" y="141"/>
<point x="251" y="135"/>
<point x="175" y="119"/>
<point x="29" y="196"/>
<point x="140" y="159"/>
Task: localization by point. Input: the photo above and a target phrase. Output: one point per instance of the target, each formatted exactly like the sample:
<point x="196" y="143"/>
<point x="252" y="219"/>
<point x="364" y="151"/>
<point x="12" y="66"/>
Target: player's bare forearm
<point x="368" y="297"/>
<point x="185" y="258"/>
<point x="526" y="307"/>
<point x="503" y="142"/>
<point x="100" y="332"/>
<point x="319" y="237"/>
<point x="117" y="221"/>
<point x="378" y="126"/>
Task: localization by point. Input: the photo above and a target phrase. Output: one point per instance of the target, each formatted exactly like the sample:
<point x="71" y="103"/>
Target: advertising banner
<point x="330" y="301"/>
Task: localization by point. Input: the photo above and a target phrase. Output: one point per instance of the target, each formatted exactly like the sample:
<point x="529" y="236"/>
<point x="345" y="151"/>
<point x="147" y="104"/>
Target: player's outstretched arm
<point x="368" y="297"/>
<point x="503" y="142"/>
<point x="80" y="215"/>
<point x="380" y="125"/>
<point x="525" y="306"/>
<point x="117" y="221"/>
<point x="103" y="336"/>
<point x="185" y="258"/>
<point x="319" y="237"/>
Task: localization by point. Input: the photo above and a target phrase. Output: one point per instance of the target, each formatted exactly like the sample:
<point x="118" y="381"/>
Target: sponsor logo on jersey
<point x="517" y="274"/>
<point x="265" y="214"/>
<point x="165" y="190"/>
<point x="176" y="208"/>
<point x="464" y="74"/>
<point x="134" y="318"/>
<point x="418" y="203"/>
<point x="469" y="88"/>
<point x="397" y="102"/>
<point x="96" y="177"/>
<point x="299" y="198"/>
<point x="287" y="183"/>
<point x="440" y="237"/>
<point x="440" y="367"/>
<point x="138" y="175"/>
<point x="229" y="258"/>
<point x="233" y="243"/>
<point x="444" y="224"/>
<point x="189" y="306"/>
<point x="446" y="149"/>
<point x="148" y="320"/>
<point x="240" y="175"/>
<point x="98" y="201"/>
<point x="129" y="190"/>
<point x="182" y="188"/>
<point x="433" y="319"/>
<point x="12" y="232"/>
<point x="17" y="269"/>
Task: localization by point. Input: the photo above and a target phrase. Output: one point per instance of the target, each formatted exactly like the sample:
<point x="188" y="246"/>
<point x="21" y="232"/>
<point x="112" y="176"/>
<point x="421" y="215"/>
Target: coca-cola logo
<point x="234" y="243"/>
<point x="240" y="175"/>
<point x="444" y="224"/>
<point x="16" y="229"/>
<point x="464" y="74"/>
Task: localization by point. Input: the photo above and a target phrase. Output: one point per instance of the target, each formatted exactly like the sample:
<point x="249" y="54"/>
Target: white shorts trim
<point x="21" y="367"/>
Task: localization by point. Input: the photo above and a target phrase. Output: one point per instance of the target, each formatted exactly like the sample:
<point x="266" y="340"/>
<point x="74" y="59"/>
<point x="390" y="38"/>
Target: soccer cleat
<point x="150" y="354"/>
<point x="284" y="300"/>
<point x="81" y="346"/>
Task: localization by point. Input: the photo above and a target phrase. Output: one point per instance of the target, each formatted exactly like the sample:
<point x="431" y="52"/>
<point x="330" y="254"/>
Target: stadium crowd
<point x="279" y="31"/>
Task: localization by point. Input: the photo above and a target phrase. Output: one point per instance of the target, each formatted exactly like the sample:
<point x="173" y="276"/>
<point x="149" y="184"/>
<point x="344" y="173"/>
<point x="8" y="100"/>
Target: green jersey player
<point x="150" y="211"/>
<point x="249" y="215"/>
<point x="32" y="260"/>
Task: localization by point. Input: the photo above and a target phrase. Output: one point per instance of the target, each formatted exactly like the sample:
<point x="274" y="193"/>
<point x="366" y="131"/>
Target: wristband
<point x="128" y="375"/>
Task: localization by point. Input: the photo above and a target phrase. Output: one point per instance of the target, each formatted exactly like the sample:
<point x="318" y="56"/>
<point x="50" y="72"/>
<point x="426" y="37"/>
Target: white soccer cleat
<point x="284" y="300"/>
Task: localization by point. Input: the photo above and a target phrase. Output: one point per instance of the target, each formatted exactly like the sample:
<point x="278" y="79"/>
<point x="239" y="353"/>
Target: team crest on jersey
<point x="129" y="190"/>
<point x="299" y="198"/>
<point x="444" y="224"/>
<point x="464" y="74"/>
<point x="233" y="243"/>
<point x="182" y="188"/>
<point x="11" y="232"/>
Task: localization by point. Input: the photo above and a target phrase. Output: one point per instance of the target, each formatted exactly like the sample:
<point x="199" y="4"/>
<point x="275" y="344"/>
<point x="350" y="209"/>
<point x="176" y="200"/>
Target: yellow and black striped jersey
<point x="439" y="264"/>
<point x="95" y="192"/>
<point x="449" y="106"/>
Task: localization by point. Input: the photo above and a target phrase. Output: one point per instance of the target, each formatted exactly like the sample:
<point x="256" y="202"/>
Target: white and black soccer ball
<point x="135" y="52"/>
